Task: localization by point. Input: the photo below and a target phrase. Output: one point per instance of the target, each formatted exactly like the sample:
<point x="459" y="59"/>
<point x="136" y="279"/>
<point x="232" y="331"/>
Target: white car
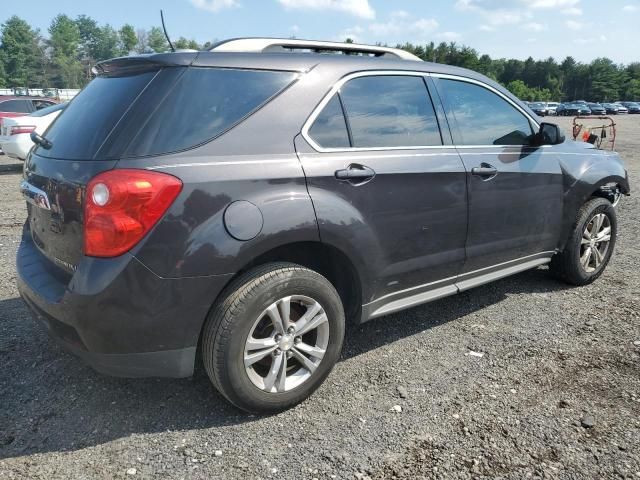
<point x="552" y="108"/>
<point x="15" y="132"/>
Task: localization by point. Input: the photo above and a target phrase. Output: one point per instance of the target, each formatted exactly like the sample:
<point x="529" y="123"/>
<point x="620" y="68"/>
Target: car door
<point x="388" y="188"/>
<point x="515" y="190"/>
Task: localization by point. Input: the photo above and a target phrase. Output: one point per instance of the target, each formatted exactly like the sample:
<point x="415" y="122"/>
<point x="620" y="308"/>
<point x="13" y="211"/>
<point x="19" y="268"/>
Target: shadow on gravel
<point x="50" y="401"/>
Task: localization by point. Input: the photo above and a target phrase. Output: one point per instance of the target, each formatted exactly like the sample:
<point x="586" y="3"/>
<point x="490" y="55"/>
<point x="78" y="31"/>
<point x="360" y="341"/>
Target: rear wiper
<point x="40" y="140"/>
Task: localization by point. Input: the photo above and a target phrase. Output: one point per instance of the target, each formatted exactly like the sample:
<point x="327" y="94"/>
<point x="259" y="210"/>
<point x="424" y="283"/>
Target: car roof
<point x="25" y="97"/>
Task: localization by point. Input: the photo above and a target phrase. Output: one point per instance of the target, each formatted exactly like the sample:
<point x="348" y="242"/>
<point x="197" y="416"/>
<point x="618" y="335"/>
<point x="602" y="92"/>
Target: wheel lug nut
<point x="297" y="340"/>
<point x="276" y="352"/>
<point x="291" y="329"/>
<point x="289" y="354"/>
<point x="278" y="337"/>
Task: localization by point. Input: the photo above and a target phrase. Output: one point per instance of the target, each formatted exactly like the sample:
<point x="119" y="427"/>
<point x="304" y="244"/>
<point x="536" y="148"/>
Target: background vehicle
<point x="539" y="108"/>
<point x="552" y="107"/>
<point x="611" y="108"/>
<point x="596" y="109"/>
<point x="632" y="107"/>
<point x="15" y="133"/>
<point x="254" y="235"/>
<point x="573" y="109"/>
<point x="18" y="106"/>
<point x="621" y="108"/>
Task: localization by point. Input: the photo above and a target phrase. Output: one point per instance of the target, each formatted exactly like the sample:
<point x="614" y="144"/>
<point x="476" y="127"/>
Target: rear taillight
<point x="121" y="206"/>
<point x="18" y="129"/>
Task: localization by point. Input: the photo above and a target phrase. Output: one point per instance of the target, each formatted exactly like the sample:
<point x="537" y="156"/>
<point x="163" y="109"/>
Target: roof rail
<point x="259" y="45"/>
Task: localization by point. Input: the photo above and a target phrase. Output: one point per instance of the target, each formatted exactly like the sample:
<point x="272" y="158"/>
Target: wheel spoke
<point x="274" y="314"/>
<point x="586" y="257"/>
<point x="274" y="372"/>
<point x="260" y="343"/>
<point x="597" y="224"/>
<point x="306" y="362"/>
<point x="310" y="350"/>
<point x="315" y="322"/>
<point x="604" y="235"/>
<point x="285" y="312"/>
<point x="252" y="358"/>
<point x="597" y="257"/>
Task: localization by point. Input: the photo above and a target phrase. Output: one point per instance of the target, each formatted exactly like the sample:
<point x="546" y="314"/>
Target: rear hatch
<point x="54" y="179"/>
<point x="136" y="107"/>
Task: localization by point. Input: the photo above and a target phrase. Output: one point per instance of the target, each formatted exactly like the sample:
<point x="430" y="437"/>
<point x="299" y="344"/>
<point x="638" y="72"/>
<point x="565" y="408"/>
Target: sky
<point x="584" y="29"/>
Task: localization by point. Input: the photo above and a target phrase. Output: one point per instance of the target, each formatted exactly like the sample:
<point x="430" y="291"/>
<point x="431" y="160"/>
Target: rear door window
<point x="329" y="130"/>
<point x="390" y="111"/>
<point x="16" y="106"/>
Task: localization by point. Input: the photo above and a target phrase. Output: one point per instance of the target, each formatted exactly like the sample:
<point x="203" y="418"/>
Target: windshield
<point x="48" y="110"/>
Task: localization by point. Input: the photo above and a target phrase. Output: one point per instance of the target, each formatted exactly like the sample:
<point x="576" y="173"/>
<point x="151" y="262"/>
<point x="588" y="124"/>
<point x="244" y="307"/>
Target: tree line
<point x="65" y="57"/>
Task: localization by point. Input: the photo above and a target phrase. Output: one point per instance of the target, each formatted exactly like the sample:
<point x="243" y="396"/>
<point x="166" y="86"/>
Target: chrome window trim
<point x="409" y="73"/>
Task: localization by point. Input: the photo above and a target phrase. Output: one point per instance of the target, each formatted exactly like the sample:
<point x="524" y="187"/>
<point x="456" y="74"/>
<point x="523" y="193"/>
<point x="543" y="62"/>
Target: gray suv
<point x="243" y="203"/>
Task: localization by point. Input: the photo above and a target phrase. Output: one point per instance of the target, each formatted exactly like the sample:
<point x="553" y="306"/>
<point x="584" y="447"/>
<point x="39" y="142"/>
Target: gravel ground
<point x="555" y="395"/>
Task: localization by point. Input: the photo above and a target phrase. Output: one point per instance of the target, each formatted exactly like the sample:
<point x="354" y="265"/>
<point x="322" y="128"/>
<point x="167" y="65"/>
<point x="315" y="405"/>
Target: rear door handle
<point x="356" y="174"/>
<point x="485" y="170"/>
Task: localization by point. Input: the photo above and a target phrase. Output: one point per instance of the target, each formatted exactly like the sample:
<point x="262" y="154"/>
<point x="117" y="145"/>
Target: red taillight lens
<point x="21" y="129"/>
<point x="121" y="206"/>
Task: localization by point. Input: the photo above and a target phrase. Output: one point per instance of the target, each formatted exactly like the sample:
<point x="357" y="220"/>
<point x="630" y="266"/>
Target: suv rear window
<point x="159" y="112"/>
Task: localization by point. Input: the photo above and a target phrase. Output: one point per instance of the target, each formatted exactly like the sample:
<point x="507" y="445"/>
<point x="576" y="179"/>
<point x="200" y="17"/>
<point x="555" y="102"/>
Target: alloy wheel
<point x="594" y="244"/>
<point x="286" y="344"/>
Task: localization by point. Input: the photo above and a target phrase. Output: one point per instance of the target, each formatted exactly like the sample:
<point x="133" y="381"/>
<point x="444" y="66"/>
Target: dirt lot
<point x="556" y="394"/>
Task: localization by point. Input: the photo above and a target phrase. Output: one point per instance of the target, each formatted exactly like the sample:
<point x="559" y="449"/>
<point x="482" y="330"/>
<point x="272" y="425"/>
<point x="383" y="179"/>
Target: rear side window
<point x="330" y="129"/>
<point x="483" y="117"/>
<point x="15" y="106"/>
<point x="203" y="104"/>
<point x="88" y="119"/>
<point x="390" y="111"/>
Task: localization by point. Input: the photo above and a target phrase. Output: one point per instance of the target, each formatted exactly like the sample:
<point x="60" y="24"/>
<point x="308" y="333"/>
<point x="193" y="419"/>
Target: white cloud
<point x="294" y="28"/>
<point x="551" y="3"/>
<point x="535" y="27"/>
<point x="573" y="25"/>
<point x="400" y="22"/>
<point x="575" y="11"/>
<point x="448" y="36"/>
<point x="630" y="8"/>
<point x="215" y="5"/>
<point x="487" y="28"/>
<point x="358" y="8"/>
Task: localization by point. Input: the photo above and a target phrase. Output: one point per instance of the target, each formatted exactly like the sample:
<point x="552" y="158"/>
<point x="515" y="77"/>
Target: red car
<point x="18" y="106"/>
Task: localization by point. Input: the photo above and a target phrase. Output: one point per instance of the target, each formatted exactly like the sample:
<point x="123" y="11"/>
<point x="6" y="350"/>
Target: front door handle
<point x="356" y="174"/>
<point x="485" y="170"/>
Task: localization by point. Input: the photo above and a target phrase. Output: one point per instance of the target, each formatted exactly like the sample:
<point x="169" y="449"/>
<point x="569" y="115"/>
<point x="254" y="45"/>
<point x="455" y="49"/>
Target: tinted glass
<point x="390" y="111"/>
<point x="40" y="104"/>
<point x="88" y="119"/>
<point x="483" y="117"/>
<point x="204" y="103"/>
<point x="15" y="106"/>
<point x="330" y="129"/>
<point x="46" y="111"/>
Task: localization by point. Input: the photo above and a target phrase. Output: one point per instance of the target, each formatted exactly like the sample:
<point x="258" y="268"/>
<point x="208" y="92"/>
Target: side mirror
<point x="549" y="134"/>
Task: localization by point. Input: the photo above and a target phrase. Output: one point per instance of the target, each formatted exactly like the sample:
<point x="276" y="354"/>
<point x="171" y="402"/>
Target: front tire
<point x="590" y="244"/>
<point x="274" y="337"/>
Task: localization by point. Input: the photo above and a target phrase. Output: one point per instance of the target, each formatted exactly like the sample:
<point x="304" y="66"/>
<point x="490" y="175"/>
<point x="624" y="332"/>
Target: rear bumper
<point x="116" y="314"/>
<point x="16" y="147"/>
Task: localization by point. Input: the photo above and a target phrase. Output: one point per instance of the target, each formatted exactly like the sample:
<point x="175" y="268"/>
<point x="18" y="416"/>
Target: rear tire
<point x="273" y="337"/>
<point x="590" y="244"/>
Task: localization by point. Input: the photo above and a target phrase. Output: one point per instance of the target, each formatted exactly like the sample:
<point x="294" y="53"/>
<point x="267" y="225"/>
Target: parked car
<point x="573" y="109"/>
<point x="596" y="109"/>
<point x="552" y="108"/>
<point x="539" y="108"/>
<point x="611" y="108"/>
<point x="18" y="106"/>
<point x="15" y="133"/>
<point x="632" y="107"/>
<point x="252" y="236"/>
<point x="621" y="108"/>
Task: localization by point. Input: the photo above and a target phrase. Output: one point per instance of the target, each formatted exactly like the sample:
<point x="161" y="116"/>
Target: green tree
<point x="128" y="39"/>
<point x="65" y="52"/>
<point x="184" y="43"/>
<point x="156" y="40"/>
<point x="19" y="54"/>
